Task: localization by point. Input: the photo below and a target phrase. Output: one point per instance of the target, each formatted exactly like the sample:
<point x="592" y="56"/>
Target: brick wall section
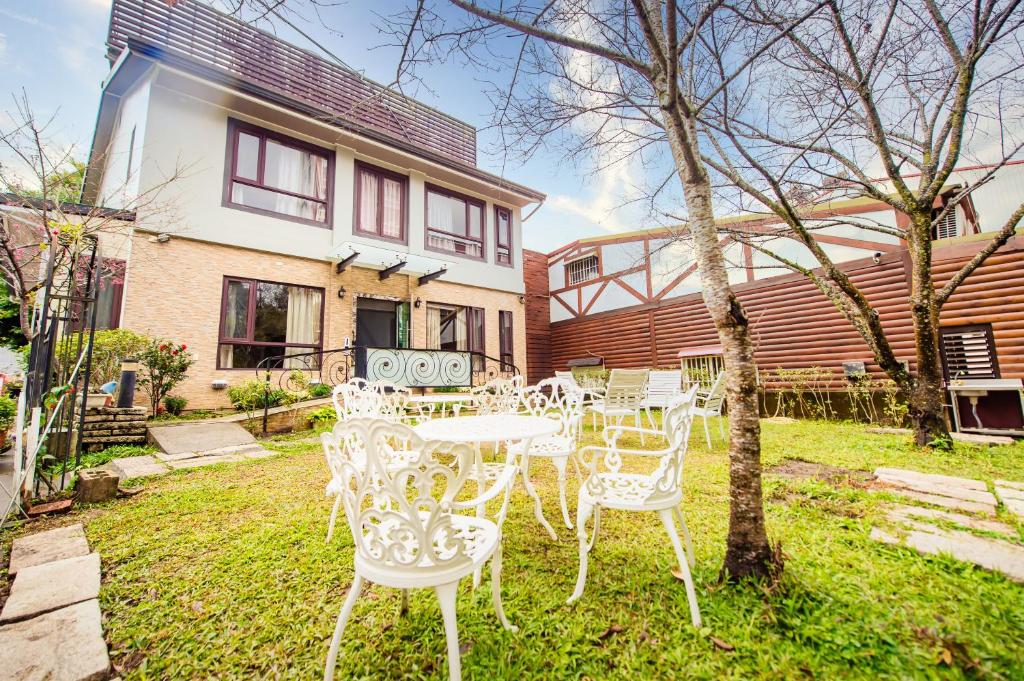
<point x="538" y="316"/>
<point x="173" y="290"/>
<point x="795" y="326"/>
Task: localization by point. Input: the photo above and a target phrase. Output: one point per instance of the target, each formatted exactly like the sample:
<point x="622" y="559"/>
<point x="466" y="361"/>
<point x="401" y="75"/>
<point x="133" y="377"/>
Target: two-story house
<point x="313" y="209"/>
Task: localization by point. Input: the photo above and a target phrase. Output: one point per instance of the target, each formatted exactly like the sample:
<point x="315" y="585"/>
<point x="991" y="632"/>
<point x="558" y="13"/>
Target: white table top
<point x="438" y="398"/>
<point x="489" y="428"/>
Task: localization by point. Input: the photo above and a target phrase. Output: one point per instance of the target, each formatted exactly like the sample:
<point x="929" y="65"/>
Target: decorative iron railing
<point x="408" y="367"/>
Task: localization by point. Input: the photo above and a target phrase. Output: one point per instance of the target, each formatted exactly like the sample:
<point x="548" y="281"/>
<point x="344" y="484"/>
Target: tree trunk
<point x="748" y="553"/>
<point x="926" y="403"/>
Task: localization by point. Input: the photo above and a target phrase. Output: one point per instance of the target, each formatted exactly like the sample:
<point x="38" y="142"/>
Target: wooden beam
<point x="388" y="271"/>
<point x="431" y="276"/>
<point x="342" y="265"/>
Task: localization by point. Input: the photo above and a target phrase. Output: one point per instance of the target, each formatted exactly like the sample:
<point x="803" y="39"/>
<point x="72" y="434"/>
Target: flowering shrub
<point x="164" y="365"/>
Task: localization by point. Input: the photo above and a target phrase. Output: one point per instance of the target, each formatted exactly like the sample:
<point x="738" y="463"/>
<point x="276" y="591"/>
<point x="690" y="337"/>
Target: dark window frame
<point x="236" y="127"/>
<point x="469" y="200"/>
<point x="382" y="173"/>
<point x="497" y="238"/>
<point x="578" y="258"/>
<point x="250" y="321"/>
<point x="506" y="338"/>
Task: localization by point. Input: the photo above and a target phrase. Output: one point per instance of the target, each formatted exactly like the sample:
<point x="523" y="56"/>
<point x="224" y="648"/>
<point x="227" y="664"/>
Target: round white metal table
<point x="496" y="428"/>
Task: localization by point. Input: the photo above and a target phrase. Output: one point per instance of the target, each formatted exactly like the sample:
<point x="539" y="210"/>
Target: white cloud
<point x="3" y="45"/>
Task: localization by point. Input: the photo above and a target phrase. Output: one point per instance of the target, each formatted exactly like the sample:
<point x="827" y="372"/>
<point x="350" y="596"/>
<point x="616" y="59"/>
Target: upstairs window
<point x="455" y="223"/>
<point x="272" y="174"/>
<point x="503" y="235"/>
<point x="263" y="319"/>
<point x="581" y="270"/>
<point x="968" y="352"/>
<point x="380" y="202"/>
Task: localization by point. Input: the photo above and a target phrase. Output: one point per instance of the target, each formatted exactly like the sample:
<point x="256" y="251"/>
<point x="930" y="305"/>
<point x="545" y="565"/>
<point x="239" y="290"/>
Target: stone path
<point x="919" y="528"/>
<point x="50" y="626"/>
<point x="162" y="462"/>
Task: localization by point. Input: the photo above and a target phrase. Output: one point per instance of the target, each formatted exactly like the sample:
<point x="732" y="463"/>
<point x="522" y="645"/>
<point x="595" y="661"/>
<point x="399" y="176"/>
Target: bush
<point x="8" y="410"/>
<point x="320" y="390"/>
<point x="164" y="365"/>
<point x="252" y="394"/>
<point x="109" y="349"/>
<point x="323" y="418"/>
<point x="175" y="404"/>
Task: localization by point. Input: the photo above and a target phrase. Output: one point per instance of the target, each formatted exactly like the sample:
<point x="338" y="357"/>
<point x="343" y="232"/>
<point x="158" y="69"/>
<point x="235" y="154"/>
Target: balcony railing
<point x="244" y="52"/>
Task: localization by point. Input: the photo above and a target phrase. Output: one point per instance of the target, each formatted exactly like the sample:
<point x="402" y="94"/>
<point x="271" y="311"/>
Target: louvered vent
<point x="948" y="227"/>
<point x="969" y="352"/>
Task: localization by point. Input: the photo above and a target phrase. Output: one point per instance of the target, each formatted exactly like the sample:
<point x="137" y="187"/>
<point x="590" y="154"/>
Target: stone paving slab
<point x="48" y="546"/>
<point x="943" y="490"/>
<point x="1014" y="506"/>
<point x="1010" y="483"/>
<point x="901" y="514"/>
<point x="199" y="437"/>
<point x="138" y="467"/>
<point x="1005" y="493"/>
<point x="991" y="554"/>
<point x="50" y="586"/>
<point x="931" y="478"/>
<point x="63" y="645"/>
<point x="946" y="502"/>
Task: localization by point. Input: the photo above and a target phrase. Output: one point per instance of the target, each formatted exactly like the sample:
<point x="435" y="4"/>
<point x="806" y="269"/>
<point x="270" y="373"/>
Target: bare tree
<point x="881" y="99"/>
<point x="622" y="80"/>
<point x="42" y="229"/>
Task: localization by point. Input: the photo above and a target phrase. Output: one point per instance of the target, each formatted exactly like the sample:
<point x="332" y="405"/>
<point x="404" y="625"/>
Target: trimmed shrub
<point x="252" y="394"/>
<point x="318" y="390"/>
<point x="175" y="404"/>
<point x="109" y="349"/>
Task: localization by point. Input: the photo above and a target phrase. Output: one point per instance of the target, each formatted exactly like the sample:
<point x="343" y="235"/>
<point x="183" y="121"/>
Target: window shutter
<point x="947" y="227"/>
<point x="969" y="352"/>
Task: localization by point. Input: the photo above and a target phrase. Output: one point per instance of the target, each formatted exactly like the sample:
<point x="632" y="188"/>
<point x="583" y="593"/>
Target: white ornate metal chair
<point x="556" y="399"/>
<point x="498" y="396"/>
<point x="406" y="525"/>
<point x="591" y="394"/>
<point x="607" y="486"/>
<point x="351" y="400"/>
<point x="662" y="388"/>
<point x="710" y="403"/>
<point x="622" y="397"/>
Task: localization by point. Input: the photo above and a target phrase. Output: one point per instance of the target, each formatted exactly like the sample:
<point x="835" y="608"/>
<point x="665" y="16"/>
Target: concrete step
<point x="199" y="437"/>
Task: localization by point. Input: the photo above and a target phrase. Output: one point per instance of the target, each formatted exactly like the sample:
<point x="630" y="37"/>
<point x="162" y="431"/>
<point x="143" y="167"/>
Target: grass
<point x="224" y="572"/>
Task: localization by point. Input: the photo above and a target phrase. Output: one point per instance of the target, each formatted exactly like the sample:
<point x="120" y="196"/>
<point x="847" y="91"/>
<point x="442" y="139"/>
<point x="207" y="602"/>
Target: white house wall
<point x="120" y="189"/>
<point x="198" y="196"/>
<point x="621" y="256"/>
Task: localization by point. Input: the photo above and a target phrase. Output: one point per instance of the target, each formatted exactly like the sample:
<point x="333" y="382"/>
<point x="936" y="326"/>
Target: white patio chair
<point x="354" y="401"/>
<point x="662" y="388"/>
<point x="590" y="394"/>
<point x="710" y="403"/>
<point x="606" y="486"/>
<point x="405" y="523"/>
<point x="622" y="397"/>
<point x="555" y="399"/>
<point x="498" y="396"/>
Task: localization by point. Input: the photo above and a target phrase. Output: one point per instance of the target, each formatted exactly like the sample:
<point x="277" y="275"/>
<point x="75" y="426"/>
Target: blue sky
<point x="54" y="49"/>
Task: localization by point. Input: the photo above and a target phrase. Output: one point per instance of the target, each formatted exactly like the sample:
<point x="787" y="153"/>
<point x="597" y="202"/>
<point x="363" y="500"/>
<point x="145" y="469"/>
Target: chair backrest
<point x="556" y="399"/>
<point x="663" y="385"/>
<point x="714" y="398"/>
<point x="395" y="398"/>
<point x="498" y="396"/>
<point x="399" y="512"/>
<point x="351" y="401"/>
<point x="567" y="376"/>
<point x="626" y="388"/>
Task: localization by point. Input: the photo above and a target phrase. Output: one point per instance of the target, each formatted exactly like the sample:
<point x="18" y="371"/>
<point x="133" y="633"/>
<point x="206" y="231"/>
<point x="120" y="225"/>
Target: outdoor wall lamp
<point x="522" y="300"/>
<point x="417" y="303"/>
<point x="341" y="292"/>
<point x="877" y="257"/>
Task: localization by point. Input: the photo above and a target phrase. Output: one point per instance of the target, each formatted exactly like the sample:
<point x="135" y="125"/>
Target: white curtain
<point x="462" y="329"/>
<point x="367" y="202"/>
<point x="433" y="328"/>
<point x="303" y="321"/>
<point x="439" y="212"/>
<point x="392" y="222"/>
<point x="227" y="357"/>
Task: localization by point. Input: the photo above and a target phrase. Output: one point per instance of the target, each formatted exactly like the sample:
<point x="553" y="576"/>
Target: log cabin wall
<point x="538" y="317"/>
<point x="793" y="324"/>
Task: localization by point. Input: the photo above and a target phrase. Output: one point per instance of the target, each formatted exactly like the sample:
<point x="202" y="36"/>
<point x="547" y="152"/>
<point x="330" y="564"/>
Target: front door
<point x="376" y="323"/>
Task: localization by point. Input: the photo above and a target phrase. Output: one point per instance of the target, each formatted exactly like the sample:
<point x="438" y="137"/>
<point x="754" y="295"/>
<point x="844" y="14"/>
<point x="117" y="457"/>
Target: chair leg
<point x="560" y="465"/>
<point x="597" y="529"/>
<point x="404" y="609"/>
<point x="334" y="516"/>
<point x="686" y="536"/>
<point x="721" y="426"/>
<point x="446" y="595"/>
<point x="582" y="515"/>
<point x="339" y="628"/>
<point x="707" y="433"/>
<point x="538" y="511"/>
<point x="684" y="567"/>
<point x="650" y="418"/>
<point x="499" y="609"/>
<point x="639" y="424"/>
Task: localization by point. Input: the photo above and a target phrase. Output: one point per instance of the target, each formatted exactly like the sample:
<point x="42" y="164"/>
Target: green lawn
<point x="224" y="573"/>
